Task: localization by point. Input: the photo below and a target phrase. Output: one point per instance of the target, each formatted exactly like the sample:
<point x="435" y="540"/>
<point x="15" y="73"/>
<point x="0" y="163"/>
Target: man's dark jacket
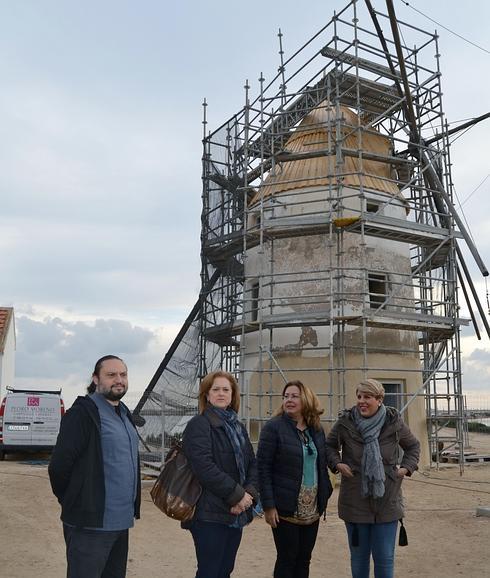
<point x="210" y="455"/>
<point x="76" y="469"/>
<point x="280" y="464"/>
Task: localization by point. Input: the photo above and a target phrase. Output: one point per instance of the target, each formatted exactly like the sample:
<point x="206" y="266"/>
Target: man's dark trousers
<point x="95" y="553"/>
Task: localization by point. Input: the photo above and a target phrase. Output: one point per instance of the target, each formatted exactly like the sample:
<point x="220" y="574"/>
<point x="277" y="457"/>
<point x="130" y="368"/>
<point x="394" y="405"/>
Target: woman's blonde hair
<point x="310" y="404"/>
<point x="371" y="387"/>
<point x="207" y="384"/>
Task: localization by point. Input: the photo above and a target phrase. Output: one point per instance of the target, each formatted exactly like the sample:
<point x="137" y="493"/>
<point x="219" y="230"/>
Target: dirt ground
<point x="445" y="537"/>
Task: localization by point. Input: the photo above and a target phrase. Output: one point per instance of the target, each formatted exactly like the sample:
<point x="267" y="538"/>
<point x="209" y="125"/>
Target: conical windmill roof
<point x="318" y="131"/>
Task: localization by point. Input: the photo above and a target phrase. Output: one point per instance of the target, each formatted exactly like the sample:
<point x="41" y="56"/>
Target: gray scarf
<point x="372" y="469"/>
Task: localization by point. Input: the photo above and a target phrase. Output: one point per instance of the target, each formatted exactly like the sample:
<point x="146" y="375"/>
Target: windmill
<point x="331" y="247"/>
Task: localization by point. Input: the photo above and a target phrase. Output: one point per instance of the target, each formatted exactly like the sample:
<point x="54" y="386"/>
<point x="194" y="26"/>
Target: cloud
<point x="479" y="356"/>
<point x="54" y="353"/>
<point x="56" y="348"/>
<point x="476" y="370"/>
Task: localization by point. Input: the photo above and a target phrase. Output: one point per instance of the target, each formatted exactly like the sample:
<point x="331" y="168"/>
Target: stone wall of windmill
<point x="322" y="299"/>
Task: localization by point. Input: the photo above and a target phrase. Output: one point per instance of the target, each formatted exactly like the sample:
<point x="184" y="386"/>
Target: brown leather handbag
<point x="176" y="490"/>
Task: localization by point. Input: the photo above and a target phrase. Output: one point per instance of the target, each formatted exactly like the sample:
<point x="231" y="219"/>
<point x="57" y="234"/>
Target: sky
<point x="100" y="186"/>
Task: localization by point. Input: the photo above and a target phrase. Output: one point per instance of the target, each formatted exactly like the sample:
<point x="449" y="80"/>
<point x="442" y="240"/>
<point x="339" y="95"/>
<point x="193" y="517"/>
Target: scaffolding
<point x="329" y="239"/>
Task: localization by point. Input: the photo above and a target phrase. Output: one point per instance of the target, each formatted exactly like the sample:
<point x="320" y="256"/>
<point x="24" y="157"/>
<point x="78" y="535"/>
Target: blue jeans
<point x="375" y="539"/>
<point x="216" y="548"/>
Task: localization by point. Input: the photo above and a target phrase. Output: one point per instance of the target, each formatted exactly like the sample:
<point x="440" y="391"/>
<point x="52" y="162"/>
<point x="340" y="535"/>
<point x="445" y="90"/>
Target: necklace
<point x="305" y="438"/>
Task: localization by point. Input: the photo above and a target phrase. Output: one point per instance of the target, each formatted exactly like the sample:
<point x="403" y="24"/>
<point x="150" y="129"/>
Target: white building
<point x="7" y="348"/>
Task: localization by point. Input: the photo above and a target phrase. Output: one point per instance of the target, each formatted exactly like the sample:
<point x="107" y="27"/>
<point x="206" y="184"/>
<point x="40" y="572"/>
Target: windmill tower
<point x="330" y="242"/>
<point x="328" y="303"/>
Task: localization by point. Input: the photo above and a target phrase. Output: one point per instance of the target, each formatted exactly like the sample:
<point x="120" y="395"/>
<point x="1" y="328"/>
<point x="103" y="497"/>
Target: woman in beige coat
<point x="364" y="447"/>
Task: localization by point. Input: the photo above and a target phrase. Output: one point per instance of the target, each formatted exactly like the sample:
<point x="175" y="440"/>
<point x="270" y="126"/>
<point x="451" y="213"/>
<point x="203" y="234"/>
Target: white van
<point x="29" y="420"/>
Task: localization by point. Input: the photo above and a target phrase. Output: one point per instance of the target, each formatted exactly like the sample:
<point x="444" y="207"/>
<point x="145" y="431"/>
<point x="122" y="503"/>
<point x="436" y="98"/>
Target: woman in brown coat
<point x="364" y="446"/>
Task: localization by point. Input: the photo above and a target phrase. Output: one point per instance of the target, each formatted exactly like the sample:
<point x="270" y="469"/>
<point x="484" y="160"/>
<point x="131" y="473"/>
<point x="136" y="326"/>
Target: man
<point x="94" y="473"/>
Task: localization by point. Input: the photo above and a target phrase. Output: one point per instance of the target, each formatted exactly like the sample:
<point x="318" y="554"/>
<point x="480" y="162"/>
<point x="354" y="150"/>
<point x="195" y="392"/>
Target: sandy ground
<point x="445" y="537"/>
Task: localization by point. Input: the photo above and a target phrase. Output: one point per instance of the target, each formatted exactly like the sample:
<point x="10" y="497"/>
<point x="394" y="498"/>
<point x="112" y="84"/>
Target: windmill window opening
<point x="255" y="219"/>
<point x="372" y="207"/>
<point x="255" y="301"/>
<point x="393" y="394"/>
<point x="378" y="285"/>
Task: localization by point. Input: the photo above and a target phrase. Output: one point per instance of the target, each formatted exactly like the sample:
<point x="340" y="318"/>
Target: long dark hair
<point x="97" y="368"/>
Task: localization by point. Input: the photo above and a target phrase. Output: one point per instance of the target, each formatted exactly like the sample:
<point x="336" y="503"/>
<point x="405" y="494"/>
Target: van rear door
<point x="46" y="417"/>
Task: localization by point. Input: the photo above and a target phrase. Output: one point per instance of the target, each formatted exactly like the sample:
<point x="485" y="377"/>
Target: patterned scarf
<point x="235" y="434"/>
<point x="372" y="469"/>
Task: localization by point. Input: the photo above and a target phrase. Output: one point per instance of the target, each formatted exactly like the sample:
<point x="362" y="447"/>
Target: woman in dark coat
<point x="293" y="478"/>
<point x="221" y="456"/>
<point x="363" y="446"/>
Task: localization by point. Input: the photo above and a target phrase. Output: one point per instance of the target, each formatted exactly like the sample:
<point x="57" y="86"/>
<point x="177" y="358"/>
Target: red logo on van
<point x="33" y="401"/>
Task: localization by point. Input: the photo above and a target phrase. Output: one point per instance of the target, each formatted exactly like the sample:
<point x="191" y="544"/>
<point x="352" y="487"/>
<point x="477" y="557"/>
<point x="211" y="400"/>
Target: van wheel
<point x="2" y="455"/>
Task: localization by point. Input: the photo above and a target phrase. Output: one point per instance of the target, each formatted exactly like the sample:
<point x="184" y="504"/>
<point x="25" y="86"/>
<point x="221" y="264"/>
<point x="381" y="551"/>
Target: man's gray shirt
<point x="120" y="455"/>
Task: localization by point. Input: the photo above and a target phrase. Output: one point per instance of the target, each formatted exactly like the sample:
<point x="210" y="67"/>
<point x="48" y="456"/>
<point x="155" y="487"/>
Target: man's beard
<point x="111" y="396"/>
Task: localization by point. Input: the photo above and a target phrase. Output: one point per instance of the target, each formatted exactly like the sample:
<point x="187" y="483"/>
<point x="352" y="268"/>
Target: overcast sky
<point x="100" y="162"/>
